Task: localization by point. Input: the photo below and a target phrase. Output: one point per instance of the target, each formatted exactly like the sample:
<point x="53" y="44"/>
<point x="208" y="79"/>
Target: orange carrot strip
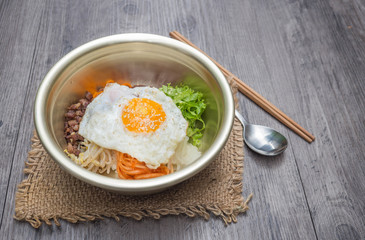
<point x="130" y="168"/>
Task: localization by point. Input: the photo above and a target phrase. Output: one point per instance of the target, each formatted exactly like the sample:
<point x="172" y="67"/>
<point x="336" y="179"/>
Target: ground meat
<point x="70" y="148"/>
<point x="73" y="117"/>
<point x="88" y="96"/>
<point x="79" y="113"/>
<point x="72" y="123"/>
<point x="75" y="106"/>
<point x="78" y="118"/>
<point x="70" y="114"/>
<point x="84" y="102"/>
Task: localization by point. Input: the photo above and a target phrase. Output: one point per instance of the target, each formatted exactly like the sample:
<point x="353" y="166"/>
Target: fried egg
<point x="140" y="121"/>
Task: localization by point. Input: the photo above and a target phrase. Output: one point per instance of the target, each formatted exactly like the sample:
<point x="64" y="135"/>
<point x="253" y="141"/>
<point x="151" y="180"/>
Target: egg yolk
<point x="143" y="115"/>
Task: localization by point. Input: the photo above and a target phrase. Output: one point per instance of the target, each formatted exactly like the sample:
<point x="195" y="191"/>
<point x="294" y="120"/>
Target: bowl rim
<point x="120" y="185"/>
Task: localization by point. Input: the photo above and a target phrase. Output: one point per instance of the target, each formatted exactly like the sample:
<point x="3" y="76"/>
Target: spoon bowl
<point x="263" y="140"/>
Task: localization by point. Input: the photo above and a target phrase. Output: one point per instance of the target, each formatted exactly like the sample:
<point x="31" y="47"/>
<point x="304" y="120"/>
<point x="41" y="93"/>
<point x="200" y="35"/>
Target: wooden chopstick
<point x="254" y="96"/>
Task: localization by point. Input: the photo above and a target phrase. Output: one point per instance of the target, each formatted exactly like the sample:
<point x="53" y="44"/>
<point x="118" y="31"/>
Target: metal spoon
<point x="263" y="140"/>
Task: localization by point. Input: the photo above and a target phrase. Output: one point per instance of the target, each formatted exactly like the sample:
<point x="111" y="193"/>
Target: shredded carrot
<point x="129" y="167"/>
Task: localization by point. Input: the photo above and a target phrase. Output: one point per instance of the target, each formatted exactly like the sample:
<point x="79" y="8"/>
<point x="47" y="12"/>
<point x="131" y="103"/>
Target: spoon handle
<point x="241" y="118"/>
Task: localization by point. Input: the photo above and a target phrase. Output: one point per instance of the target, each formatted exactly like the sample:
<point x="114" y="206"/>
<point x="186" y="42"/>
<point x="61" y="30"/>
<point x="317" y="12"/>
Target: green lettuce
<point x="192" y="105"/>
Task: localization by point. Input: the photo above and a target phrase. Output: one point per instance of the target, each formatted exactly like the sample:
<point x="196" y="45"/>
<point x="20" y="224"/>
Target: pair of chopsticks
<point x="254" y="96"/>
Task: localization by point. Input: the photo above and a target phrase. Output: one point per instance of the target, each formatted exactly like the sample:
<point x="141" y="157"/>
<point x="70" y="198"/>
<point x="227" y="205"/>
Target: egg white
<point x="103" y="125"/>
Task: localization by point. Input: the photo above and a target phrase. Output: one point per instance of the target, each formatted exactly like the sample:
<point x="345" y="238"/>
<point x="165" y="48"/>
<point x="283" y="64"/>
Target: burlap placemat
<point x="49" y="193"/>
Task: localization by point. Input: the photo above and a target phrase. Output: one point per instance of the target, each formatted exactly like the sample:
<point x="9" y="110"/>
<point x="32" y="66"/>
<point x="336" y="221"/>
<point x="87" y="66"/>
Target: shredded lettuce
<point x="192" y="105"/>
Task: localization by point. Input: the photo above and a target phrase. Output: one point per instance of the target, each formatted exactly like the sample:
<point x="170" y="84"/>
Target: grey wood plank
<point x="18" y="28"/>
<point x="338" y="173"/>
<point x="334" y="180"/>
<point x="323" y="59"/>
<point x="135" y="16"/>
<point x="196" y="228"/>
<point x="301" y="55"/>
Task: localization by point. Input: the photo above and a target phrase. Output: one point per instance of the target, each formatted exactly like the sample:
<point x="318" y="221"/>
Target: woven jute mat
<point x="48" y="193"/>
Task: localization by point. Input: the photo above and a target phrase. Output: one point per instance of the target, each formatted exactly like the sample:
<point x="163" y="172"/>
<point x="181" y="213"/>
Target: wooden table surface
<point x="306" y="57"/>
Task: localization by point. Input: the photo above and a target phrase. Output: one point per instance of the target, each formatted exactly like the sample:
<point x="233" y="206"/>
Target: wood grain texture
<point x="306" y="57"/>
<point x="19" y="29"/>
